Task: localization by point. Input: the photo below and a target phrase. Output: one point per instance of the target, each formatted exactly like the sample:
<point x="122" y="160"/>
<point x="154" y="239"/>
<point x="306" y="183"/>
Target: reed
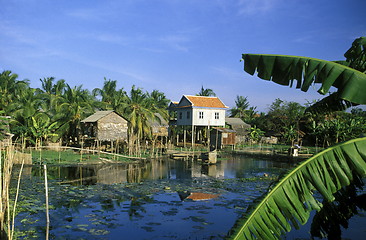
<point x="6" y="165"/>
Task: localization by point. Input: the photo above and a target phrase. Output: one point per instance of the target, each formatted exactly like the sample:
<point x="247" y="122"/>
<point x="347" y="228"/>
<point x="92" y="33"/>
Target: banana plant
<point x="292" y="199"/>
<point x="348" y="77"/>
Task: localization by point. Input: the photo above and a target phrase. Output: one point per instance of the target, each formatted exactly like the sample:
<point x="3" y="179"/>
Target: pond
<point x="161" y="199"/>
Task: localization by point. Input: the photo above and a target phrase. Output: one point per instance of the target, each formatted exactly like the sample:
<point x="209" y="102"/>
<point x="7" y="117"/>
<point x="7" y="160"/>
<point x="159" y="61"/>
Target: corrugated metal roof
<point x="96" y="116"/>
<point x="235" y="122"/>
<point x="224" y="130"/>
<point x="202" y="101"/>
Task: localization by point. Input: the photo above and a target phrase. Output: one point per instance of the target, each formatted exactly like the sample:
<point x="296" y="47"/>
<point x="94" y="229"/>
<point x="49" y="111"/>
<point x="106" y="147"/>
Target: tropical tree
<point x="243" y="109"/>
<point x="75" y="105"/>
<point x="137" y="110"/>
<point x="255" y="134"/>
<point x="10" y="88"/>
<point x="159" y="103"/>
<point x="51" y="94"/>
<point x="42" y="129"/>
<point x="206" y="92"/>
<point x="111" y="98"/>
<point x="26" y="106"/>
<point x="291" y="199"/>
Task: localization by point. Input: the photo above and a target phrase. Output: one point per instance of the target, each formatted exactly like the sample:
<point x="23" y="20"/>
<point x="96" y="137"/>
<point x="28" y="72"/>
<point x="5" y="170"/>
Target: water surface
<point x="146" y="201"/>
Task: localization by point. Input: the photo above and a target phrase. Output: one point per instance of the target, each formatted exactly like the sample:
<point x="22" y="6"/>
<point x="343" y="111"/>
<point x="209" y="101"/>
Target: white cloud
<point x="252" y="7"/>
<point x="177" y="42"/>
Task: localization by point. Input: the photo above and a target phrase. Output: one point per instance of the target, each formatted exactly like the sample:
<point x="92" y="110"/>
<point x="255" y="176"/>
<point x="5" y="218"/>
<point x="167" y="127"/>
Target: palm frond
<point x="291" y="200"/>
<point x="283" y="69"/>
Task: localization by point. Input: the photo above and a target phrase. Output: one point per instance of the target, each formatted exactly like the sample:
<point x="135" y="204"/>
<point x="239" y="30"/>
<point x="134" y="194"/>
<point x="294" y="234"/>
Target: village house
<point x="194" y="113"/>
<point x="241" y="129"/>
<point x="106" y="126"/>
<point x="159" y="126"/>
<point x="220" y="137"/>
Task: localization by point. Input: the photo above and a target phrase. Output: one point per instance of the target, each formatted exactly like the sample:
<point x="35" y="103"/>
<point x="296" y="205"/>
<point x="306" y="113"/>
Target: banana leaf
<point x="291" y="200"/>
<point x="284" y="70"/>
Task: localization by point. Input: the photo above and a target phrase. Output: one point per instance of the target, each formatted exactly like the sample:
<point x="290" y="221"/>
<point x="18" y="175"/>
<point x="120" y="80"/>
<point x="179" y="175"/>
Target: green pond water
<point x="146" y="201"/>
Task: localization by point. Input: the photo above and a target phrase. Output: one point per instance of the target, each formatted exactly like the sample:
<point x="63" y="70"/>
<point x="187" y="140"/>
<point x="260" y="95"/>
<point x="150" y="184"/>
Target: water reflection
<point x="144" y="201"/>
<point x="231" y="167"/>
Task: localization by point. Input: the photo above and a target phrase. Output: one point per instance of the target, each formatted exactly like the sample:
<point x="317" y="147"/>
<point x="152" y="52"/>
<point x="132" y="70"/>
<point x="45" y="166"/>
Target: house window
<point x="217" y="115"/>
<point x="200" y="115"/>
<point x="180" y="115"/>
<point x="188" y="115"/>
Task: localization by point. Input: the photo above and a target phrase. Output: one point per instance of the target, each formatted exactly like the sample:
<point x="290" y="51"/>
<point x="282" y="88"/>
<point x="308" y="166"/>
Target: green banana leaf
<point x="291" y="200"/>
<point x="284" y="70"/>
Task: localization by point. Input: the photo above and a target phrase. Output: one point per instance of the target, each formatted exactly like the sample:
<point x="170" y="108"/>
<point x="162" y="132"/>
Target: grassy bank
<point x="70" y="156"/>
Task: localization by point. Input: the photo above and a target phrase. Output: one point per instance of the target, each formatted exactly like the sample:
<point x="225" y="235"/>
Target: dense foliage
<point x="54" y="111"/>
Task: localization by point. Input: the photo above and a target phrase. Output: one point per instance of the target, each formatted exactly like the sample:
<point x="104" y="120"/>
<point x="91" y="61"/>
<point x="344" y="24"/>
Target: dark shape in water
<point x="196" y="196"/>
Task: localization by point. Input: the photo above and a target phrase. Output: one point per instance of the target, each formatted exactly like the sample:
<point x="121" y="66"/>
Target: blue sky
<point x="174" y="46"/>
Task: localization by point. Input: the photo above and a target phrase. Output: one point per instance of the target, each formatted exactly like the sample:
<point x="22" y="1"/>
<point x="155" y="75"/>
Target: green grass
<point x="71" y="157"/>
<point x="279" y="148"/>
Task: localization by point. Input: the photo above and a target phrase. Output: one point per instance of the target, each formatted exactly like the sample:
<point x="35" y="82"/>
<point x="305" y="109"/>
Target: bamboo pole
<point x="46" y="193"/>
<point x="16" y="199"/>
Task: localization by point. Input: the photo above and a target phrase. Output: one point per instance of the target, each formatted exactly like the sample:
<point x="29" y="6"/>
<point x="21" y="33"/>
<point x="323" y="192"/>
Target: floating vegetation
<point x="148" y="208"/>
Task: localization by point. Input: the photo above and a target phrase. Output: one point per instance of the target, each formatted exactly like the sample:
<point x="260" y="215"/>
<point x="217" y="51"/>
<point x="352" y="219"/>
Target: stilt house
<point x="194" y="113"/>
<point x="106" y="126"/>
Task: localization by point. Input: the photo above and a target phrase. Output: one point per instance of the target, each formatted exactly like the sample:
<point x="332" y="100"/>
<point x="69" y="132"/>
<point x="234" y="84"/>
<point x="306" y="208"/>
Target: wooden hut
<point x="241" y="128"/>
<point x="220" y="137"/>
<point x="106" y="126"/>
<point x="159" y="126"/>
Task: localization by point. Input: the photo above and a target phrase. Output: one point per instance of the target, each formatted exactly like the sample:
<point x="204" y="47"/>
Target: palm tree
<point x="26" y="106"/>
<point x="137" y="110"/>
<point x="291" y="199"/>
<point x="243" y="110"/>
<point x="241" y="105"/>
<point x="75" y="105"/>
<point x="51" y="94"/>
<point x="159" y="103"/>
<point x="10" y="88"/>
<point x="206" y="92"/>
<point x="110" y="96"/>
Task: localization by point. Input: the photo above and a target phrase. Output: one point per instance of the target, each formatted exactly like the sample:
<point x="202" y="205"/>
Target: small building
<point x="220" y="137"/>
<point x="199" y="111"/>
<point x="106" y="126"/>
<point x="159" y="126"/>
<point x="196" y="114"/>
<point x="241" y="128"/>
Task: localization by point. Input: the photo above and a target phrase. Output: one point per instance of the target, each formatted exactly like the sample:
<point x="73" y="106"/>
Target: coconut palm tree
<point x="75" y="105"/>
<point x="10" y="88"/>
<point x="243" y="110"/>
<point x="51" y="94"/>
<point x="137" y="110"/>
<point x="110" y="96"/>
<point x="206" y="92"/>
<point x="291" y="200"/>
<point x="26" y="106"/>
<point x="159" y="103"/>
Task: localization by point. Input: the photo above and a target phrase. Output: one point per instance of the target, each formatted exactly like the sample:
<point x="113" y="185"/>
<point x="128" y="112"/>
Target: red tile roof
<point x="201" y="101"/>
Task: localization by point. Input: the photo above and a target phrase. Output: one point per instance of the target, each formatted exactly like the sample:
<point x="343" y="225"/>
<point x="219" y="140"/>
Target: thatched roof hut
<point x="106" y="126"/>
<point x="159" y="126"/>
